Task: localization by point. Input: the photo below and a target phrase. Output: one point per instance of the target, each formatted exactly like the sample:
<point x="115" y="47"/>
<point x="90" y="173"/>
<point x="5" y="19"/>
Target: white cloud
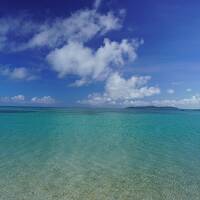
<point x="132" y="88"/>
<point x="62" y="35"/>
<point x="81" y="26"/>
<point x="193" y="102"/>
<point x="170" y="91"/>
<point x="75" y="58"/>
<point x="97" y="3"/>
<point x="187" y="103"/>
<point x="79" y="83"/>
<point x="12" y="27"/>
<point x="65" y="39"/>
<point x="20" y="73"/>
<point x="188" y="90"/>
<point x="19" y="97"/>
<point x="119" y="90"/>
<point x="43" y="100"/>
<point x="14" y="99"/>
<point x="66" y="42"/>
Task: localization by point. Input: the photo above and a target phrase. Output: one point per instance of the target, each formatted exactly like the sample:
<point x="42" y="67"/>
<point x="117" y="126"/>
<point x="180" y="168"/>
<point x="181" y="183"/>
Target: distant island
<point x="153" y="108"/>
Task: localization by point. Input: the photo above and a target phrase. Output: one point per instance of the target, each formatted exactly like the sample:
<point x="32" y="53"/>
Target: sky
<point x="101" y="53"/>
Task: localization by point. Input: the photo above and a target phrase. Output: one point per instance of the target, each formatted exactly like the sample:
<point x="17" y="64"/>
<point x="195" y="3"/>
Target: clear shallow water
<point x="72" y="154"/>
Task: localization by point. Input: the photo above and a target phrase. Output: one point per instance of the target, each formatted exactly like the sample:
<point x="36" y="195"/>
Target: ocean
<point x="99" y="154"/>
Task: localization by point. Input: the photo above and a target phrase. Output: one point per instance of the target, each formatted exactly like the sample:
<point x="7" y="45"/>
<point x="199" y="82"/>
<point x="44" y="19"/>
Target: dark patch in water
<point x="16" y="111"/>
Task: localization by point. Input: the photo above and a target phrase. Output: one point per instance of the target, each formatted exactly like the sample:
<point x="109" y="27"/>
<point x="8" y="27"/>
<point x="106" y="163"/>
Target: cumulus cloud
<point x="66" y="44"/>
<point x="43" y="100"/>
<point x="65" y="39"/>
<point x="20" y="73"/>
<point x="13" y="99"/>
<point x="119" y="90"/>
<point x="75" y="58"/>
<point x="170" y="91"/>
<point x="133" y="88"/>
<point x="18" y="98"/>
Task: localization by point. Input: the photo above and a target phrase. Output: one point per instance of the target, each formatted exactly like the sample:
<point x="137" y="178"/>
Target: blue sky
<point x="100" y="53"/>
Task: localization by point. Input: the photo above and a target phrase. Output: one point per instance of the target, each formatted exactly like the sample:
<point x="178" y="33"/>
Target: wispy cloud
<point x="97" y="3"/>
<point x="170" y="91"/>
<point x="13" y="29"/>
<point x="188" y="90"/>
<point x="20" y="73"/>
<point x="177" y="83"/>
<point x="80" y="26"/>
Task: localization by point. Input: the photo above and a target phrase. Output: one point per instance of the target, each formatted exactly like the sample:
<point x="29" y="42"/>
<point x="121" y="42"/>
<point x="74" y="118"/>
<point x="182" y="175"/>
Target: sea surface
<point x="99" y="154"/>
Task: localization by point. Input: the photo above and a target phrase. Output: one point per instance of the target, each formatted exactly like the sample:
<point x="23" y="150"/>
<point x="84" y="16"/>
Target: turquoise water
<point x="95" y="154"/>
